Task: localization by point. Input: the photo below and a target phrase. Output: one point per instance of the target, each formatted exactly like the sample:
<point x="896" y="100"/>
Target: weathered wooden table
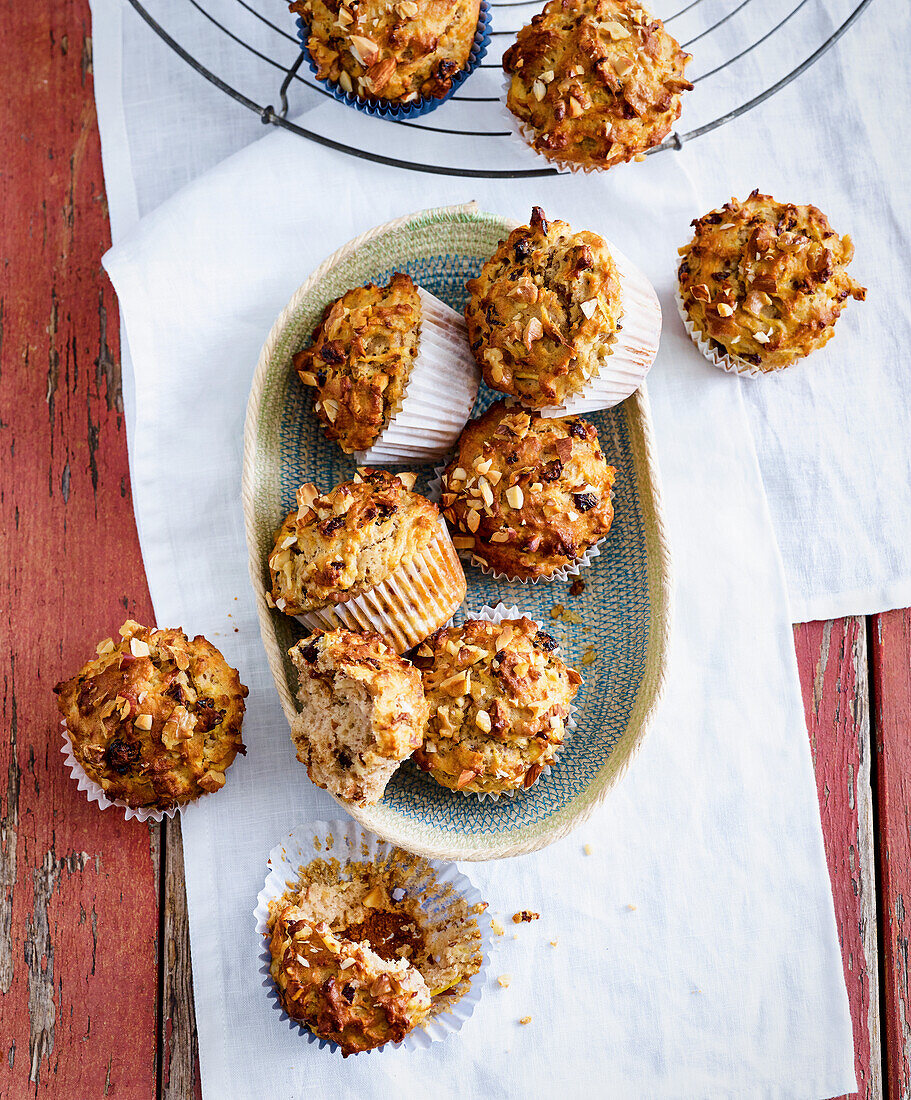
<point x="95" y="989"/>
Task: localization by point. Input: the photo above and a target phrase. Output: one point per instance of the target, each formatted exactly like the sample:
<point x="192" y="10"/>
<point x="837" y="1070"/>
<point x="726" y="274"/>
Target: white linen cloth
<point x="725" y="979"/>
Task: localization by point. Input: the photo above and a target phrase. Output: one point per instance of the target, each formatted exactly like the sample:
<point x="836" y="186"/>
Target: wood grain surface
<point x="95" y="971"/>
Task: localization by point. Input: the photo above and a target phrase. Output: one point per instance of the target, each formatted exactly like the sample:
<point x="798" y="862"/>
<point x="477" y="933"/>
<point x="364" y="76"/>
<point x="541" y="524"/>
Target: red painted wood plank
<point x="890" y="668"/>
<point x="78" y="898"/>
<point x="831" y="657"/>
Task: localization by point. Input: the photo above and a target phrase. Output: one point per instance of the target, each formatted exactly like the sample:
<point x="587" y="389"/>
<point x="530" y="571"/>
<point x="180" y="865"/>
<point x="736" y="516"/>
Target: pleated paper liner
<point x="414" y="601"/>
<point x="447" y="899"/>
<point x="728" y="363"/>
<point x="94" y="792"/>
<point x="439" y="394"/>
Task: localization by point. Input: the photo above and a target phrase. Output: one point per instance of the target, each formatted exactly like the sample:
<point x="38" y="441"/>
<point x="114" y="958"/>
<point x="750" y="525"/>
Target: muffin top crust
<point x="528" y="495"/>
<point x="596" y="82"/>
<point x="397" y="52"/>
<point x="337" y="546"/>
<point x="764" y="281"/>
<point x="360" y="359"/>
<point x="499" y="698"/>
<point x="544" y="311"/>
<point x="155" y="719"/>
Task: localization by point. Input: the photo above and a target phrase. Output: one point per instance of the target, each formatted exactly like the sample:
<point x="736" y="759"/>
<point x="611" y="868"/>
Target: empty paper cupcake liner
<point x="414" y="601"/>
<point x="444" y="895"/>
<point x="94" y="792"/>
<point x="390" y="109"/>
<point x="724" y="361"/>
<point x="439" y="394"/>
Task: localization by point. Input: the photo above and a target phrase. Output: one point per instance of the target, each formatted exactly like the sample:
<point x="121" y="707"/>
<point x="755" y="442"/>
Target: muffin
<point x="393" y="377"/>
<point x="362" y="713"/>
<point x="762" y="283"/>
<point x="397" y="53"/>
<point x="552" y="319"/>
<point x="155" y="719"/>
<point x="593" y="83"/>
<point x="369" y="555"/>
<point x="529" y="496"/>
<point x="499" y="698"/>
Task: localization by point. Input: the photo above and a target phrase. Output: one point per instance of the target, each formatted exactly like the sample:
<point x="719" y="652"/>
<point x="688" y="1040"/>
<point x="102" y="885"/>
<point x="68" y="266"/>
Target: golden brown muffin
<point x="154" y="719"/>
<point x="528" y="495"/>
<point x="342" y="544"/>
<point x="362" y="712"/>
<point x="596" y="82"/>
<point x="544" y="311"/>
<point x="764" y="282"/>
<point x="344" y="991"/>
<point x="360" y="359"/>
<point x="499" y="697"/>
<point x="397" y="52"/>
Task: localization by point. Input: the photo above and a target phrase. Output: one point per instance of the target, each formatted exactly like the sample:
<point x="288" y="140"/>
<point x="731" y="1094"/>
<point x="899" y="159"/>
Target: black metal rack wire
<point x="488" y="125"/>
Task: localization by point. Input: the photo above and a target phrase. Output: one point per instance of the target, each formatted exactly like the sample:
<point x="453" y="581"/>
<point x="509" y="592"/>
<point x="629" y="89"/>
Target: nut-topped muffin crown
<point x="527" y="494"/>
<point x="596" y="82"/>
<point x="337" y="546"/>
<point x="544" y="311"/>
<point x="400" y="51"/>
<point x="499" y="698"/>
<point x="765" y="281"/>
<point x="155" y="719"/>
<point x="360" y="359"/>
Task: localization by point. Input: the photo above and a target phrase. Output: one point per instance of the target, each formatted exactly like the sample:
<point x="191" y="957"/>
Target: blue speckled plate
<point x="621" y="637"/>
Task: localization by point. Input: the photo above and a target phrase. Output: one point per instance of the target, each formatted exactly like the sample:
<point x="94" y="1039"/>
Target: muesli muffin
<point x="528" y="496"/>
<point x="362" y="712"/>
<point x="369" y="555"/>
<point x="544" y="311"/>
<point x="762" y="283"/>
<point x="399" y="52"/>
<point x="499" y="699"/>
<point x="154" y="719"/>
<point x="594" y="83"/>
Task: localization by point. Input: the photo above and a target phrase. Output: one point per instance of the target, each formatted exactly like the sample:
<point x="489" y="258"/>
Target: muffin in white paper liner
<point x="416" y="599"/>
<point x="439" y="885"/>
<point x="94" y="792"/>
<point x="573" y="569"/>
<point x="496" y="615"/>
<point x="439" y="394"/>
<point x="726" y="362"/>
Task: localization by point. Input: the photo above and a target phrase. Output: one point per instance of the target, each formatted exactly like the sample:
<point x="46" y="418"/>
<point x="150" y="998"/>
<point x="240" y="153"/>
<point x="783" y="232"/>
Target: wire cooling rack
<point x="744" y="51"/>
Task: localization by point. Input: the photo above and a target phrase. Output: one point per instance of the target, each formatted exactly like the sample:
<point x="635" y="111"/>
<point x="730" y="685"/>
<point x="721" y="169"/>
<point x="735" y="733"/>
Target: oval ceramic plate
<point x="616" y="631"/>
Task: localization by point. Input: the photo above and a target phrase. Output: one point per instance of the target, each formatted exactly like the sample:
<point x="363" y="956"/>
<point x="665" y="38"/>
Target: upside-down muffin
<point x="764" y="282"/>
<point x="594" y="83"/>
<point x="544" y="311"/>
<point x="395" y="52"/>
<point x="362" y="712"/>
<point x="360" y="358"/>
<point x="527" y="495"/>
<point x="371" y="537"/>
<point x="155" y="719"/>
<point x="499" y="698"/>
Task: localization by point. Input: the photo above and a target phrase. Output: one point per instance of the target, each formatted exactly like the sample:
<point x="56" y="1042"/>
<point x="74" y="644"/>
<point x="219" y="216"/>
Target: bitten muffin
<point x="344" y="991"/>
<point x="397" y="52"/>
<point x="499" y="698"/>
<point x="764" y="282"/>
<point x="362" y="712"/>
<point x="155" y="719"/>
<point x="544" y="311"/>
<point x="595" y="82"/>
<point x="528" y="495"/>
<point x="360" y="358"/>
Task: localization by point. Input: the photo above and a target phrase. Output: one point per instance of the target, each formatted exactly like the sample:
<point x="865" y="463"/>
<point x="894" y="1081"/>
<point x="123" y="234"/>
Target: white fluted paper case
<point x="439" y="887"/>
<point x="728" y="363"/>
<point x="414" y="601"/>
<point x="94" y="792"/>
<point x="439" y="394"/>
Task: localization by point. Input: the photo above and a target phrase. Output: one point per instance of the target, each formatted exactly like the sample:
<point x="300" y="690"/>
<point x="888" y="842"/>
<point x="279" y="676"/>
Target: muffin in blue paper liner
<point x="390" y="108"/>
